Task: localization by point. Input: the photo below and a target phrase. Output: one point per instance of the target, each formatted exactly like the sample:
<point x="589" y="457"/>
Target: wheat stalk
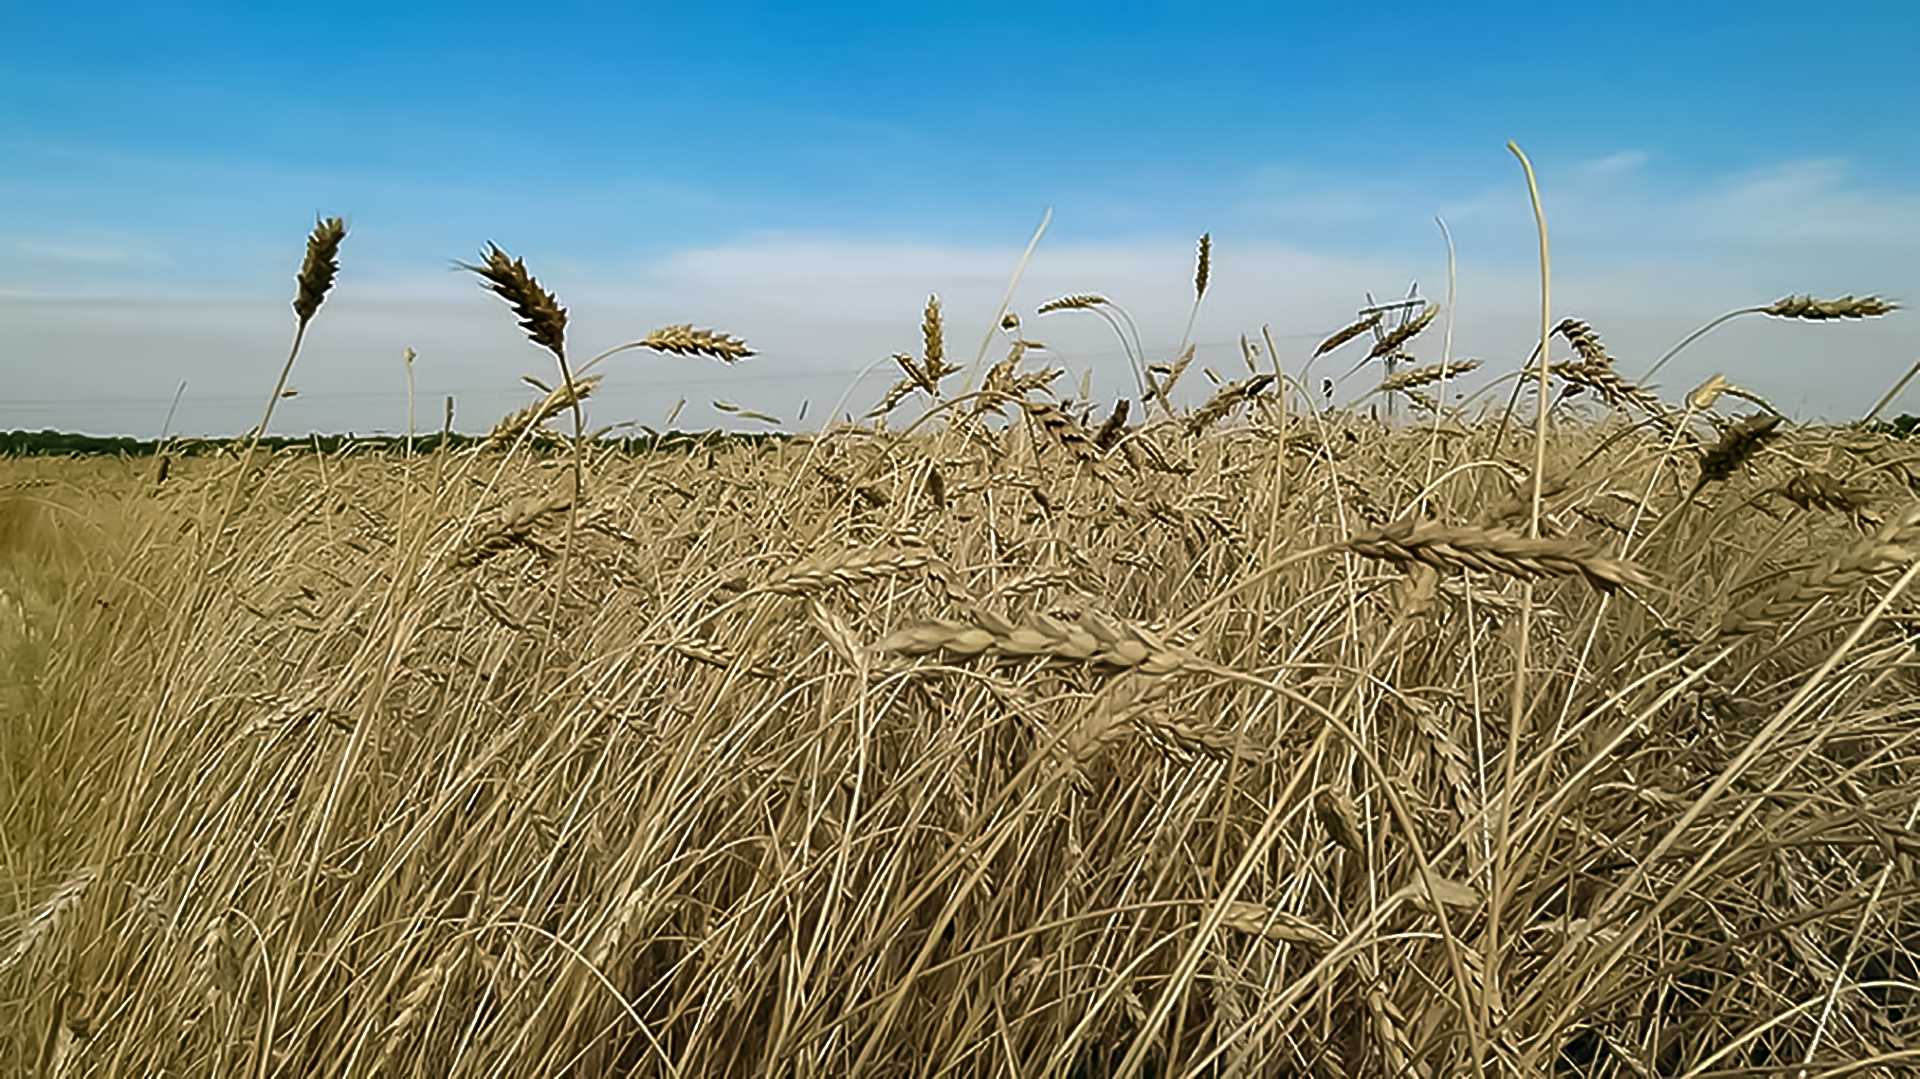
<point x="1168" y="374"/>
<point x="917" y="375"/>
<point x="318" y="268"/>
<point x="1745" y="394"/>
<point x="1273" y="924"/>
<point x="545" y="323"/>
<point x="895" y="394"/>
<point x="714" y="654"/>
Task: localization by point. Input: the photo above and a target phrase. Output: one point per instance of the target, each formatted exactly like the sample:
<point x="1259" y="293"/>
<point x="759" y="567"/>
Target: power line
<point x="503" y="393"/>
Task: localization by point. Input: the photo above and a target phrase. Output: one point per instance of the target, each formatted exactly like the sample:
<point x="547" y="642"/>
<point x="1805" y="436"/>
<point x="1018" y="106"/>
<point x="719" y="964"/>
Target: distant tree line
<point x="69" y="444"/>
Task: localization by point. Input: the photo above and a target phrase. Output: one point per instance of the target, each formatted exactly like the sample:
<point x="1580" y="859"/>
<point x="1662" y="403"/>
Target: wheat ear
<point x="683" y="339"/>
<point x="1391" y="342"/>
<point x="1736" y="447"/>
<point x="1801" y="307"/>
<point x="1495" y="550"/>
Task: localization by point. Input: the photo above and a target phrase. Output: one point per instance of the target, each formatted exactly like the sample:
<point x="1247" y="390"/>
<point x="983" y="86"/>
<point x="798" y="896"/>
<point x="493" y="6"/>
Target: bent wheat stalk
<point x="1804" y="308"/>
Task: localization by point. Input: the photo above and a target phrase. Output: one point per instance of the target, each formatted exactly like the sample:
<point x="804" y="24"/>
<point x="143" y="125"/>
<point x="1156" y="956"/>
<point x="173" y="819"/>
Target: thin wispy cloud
<point x="90" y="253"/>
<point x="1616" y="164"/>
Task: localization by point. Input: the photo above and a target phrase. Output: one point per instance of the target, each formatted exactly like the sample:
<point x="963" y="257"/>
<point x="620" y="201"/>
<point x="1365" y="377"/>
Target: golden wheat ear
<point x="1493" y="550"/>
<point x="1812" y="310"/>
<point x="1736" y="447"/>
<point x="1584" y="341"/>
<point x="1431" y="373"/>
<point x="684" y="340"/>
<point x="540" y="312"/>
<point x="319" y="268"/>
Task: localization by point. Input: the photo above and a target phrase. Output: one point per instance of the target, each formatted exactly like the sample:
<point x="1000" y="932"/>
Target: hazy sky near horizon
<point x="804" y="177"/>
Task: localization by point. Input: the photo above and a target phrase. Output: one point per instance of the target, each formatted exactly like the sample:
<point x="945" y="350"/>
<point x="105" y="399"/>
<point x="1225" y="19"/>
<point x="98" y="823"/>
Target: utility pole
<point x="1394" y="315"/>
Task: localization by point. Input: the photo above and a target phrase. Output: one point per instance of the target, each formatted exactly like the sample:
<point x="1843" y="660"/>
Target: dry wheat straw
<point x="1273" y="924"/>
<point x="1805" y="308"/>
<point x="1516" y="509"/>
<point x="895" y="394"/>
<point x="1421" y="400"/>
<point x="1704" y="396"/>
<point x="917" y="375"/>
<point x="714" y="654"/>
<point x="1745" y="394"/>
<point x="1168" y="376"/>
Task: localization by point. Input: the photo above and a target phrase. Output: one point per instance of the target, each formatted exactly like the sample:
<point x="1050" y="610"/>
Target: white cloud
<point x="100" y="252"/>
<point x="1814" y="200"/>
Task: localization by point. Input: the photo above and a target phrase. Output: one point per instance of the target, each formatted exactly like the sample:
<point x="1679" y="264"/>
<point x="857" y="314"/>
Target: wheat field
<point x="1001" y="733"/>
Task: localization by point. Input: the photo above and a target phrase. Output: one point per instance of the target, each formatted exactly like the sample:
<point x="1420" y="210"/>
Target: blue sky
<point x="806" y="177"/>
